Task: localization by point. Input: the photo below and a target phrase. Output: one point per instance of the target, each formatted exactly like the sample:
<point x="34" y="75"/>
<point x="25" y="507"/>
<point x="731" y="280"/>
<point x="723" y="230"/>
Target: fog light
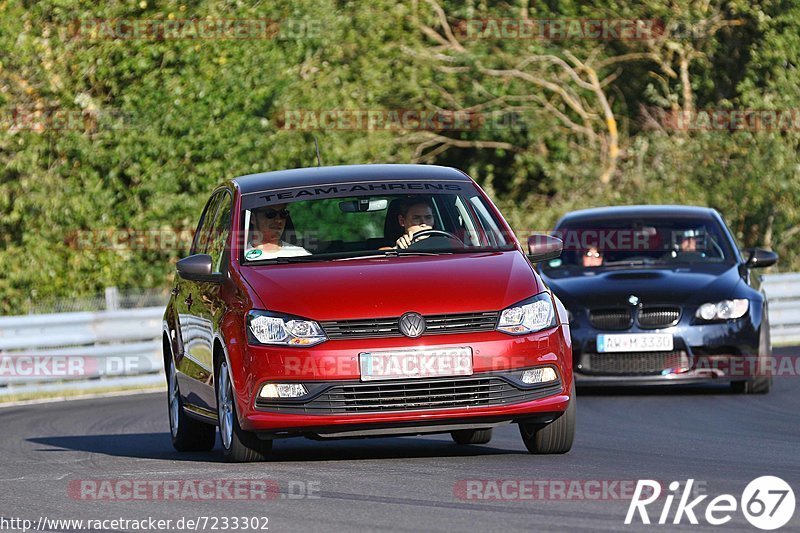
<point x="283" y="390"/>
<point x="539" y="375"/>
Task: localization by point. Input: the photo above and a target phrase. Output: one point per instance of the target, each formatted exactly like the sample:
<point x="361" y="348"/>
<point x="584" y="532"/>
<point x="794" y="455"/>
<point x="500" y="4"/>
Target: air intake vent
<point x="611" y="319"/>
<point x="658" y="317"/>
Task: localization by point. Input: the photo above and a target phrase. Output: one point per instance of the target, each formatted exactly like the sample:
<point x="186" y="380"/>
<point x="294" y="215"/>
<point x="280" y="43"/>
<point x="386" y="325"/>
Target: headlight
<point x="528" y="316"/>
<point x="724" y="310"/>
<point x="264" y="327"/>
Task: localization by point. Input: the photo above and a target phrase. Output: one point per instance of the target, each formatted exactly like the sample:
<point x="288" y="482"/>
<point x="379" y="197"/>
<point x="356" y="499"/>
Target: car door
<point x="208" y="306"/>
<point x="191" y="362"/>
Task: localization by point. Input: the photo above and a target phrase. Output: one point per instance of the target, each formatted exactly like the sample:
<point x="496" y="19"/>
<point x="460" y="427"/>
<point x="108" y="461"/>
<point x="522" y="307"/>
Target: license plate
<point x="634" y="342"/>
<point x="424" y="363"/>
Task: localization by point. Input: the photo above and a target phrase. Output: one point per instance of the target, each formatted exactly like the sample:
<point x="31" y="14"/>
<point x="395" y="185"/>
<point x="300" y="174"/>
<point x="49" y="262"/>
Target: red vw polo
<point x="358" y="301"/>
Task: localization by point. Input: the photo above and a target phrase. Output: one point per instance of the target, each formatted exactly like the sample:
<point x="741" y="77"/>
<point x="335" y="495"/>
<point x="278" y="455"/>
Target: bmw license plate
<point x="398" y="364"/>
<point x="634" y="342"/>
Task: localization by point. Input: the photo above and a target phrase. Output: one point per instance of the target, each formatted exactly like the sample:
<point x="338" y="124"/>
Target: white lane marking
<point x="84" y="397"/>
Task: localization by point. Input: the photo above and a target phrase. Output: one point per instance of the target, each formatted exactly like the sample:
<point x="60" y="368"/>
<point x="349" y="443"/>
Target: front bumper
<point x="703" y="353"/>
<point x="331" y="374"/>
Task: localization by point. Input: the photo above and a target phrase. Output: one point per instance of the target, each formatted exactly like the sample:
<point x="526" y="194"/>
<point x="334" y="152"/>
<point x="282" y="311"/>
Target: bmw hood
<point x="679" y="286"/>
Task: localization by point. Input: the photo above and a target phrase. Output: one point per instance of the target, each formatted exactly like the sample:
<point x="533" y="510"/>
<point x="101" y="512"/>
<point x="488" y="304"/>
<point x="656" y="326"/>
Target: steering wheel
<point x="431" y="232"/>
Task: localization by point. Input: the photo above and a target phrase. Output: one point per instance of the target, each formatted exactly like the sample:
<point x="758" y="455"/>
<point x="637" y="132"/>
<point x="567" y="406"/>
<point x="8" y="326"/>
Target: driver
<point x="415" y="215"/>
<point x="691" y="245"/>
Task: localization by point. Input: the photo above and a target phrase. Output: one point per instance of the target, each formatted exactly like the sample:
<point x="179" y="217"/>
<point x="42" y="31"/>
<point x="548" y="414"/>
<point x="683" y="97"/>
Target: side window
<point x="204" y="227"/>
<point x="220" y="232"/>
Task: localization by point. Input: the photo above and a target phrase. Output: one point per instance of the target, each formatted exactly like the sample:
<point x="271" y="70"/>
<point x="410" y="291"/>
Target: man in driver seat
<point x="415" y="215"/>
<point x="691" y="243"/>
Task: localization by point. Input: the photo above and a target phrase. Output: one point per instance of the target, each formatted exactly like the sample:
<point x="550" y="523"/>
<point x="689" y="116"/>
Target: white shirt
<point x="286" y="250"/>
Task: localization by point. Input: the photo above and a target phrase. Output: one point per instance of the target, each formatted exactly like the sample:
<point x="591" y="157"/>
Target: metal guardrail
<point x="783" y="295"/>
<point x="106" y="345"/>
<point x="79" y="346"/>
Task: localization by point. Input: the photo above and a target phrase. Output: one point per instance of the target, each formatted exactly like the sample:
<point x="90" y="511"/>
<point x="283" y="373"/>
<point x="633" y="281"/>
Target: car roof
<point x="630" y="211"/>
<point x="281" y="179"/>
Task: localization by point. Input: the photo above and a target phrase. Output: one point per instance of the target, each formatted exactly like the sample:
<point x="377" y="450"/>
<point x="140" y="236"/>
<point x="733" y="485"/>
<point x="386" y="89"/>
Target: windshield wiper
<point x="364" y="254"/>
<point x="384" y="253"/>
<point x="285" y="260"/>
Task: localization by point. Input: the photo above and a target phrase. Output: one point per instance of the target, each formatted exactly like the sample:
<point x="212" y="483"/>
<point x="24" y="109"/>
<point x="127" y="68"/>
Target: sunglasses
<point x="272" y="213"/>
<point x="592" y="254"/>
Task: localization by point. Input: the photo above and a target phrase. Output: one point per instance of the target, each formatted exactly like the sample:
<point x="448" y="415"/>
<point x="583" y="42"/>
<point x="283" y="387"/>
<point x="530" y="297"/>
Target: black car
<point x="661" y="295"/>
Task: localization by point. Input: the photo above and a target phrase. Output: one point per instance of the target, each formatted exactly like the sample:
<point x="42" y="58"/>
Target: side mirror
<point x="760" y="258"/>
<point x="197" y="268"/>
<point x="543" y="247"/>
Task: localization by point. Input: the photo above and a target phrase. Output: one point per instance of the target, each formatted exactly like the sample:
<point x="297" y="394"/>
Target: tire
<point x="760" y="384"/>
<point x="555" y="437"/>
<point x="472" y="436"/>
<point x="238" y="445"/>
<point x="188" y="434"/>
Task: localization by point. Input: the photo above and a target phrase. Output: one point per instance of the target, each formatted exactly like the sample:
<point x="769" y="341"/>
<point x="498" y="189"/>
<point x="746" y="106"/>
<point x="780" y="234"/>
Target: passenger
<point x="592" y="258"/>
<point x="267" y="238"/>
<point x="415" y="215"/>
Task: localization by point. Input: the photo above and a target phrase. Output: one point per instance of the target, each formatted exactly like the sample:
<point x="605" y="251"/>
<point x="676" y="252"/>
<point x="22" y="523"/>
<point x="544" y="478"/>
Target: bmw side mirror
<point x="197" y="268"/>
<point x="543" y="247"/>
<point x="760" y="258"/>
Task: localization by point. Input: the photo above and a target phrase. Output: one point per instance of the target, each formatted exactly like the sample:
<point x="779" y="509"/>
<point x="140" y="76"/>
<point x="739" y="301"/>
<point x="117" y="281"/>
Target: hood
<point x="387" y="287"/>
<point x="680" y="286"/>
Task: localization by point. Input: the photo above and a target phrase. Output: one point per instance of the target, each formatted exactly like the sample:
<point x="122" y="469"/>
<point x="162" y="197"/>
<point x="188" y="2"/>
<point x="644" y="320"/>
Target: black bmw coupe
<point x="661" y="295"/>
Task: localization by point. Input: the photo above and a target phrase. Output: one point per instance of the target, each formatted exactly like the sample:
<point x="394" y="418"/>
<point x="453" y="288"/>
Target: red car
<point x="363" y="300"/>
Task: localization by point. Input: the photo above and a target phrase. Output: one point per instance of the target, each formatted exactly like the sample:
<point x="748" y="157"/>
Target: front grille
<point x="658" y="316"/>
<point x="409" y="395"/>
<point x="389" y="327"/>
<point x="610" y="319"/>
<point x="635" y="363"/>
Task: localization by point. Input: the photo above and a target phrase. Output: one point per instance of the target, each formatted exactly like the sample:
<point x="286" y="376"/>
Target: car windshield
<point x="347" y="221"/>
<point x="659" y="242"/>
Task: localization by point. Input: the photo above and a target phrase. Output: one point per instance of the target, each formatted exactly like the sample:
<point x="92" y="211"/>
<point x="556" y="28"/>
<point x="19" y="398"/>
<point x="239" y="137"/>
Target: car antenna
<point x="316" y="145"/>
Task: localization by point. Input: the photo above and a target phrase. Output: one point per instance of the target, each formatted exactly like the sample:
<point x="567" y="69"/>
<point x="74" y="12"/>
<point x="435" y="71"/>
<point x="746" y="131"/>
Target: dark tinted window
<point x="641" y="242"/>
<point x="201" y="236"/>
<point x="219" y="232"/>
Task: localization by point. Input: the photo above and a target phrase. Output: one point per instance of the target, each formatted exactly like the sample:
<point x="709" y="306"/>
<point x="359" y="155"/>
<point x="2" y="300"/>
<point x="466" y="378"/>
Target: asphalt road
<point x="721" y="440"/>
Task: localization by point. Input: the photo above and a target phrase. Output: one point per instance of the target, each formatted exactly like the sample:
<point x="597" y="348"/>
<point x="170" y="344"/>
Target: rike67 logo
<point x="767" y="503"/>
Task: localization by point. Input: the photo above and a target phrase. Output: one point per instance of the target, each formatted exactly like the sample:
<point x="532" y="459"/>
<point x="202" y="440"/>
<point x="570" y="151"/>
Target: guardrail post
<point x="112" y="299"/>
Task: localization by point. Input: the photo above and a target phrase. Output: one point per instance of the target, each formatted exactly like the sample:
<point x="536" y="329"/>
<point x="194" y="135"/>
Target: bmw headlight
<point x="264" y="327"/>
<point x="724" y="310"/>
<point x="528" y="316"/>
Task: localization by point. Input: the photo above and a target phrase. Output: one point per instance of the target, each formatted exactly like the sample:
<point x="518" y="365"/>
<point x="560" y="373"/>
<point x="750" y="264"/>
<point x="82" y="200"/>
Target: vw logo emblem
<point x="633" y="300"/>
<point x="412" y="324"/>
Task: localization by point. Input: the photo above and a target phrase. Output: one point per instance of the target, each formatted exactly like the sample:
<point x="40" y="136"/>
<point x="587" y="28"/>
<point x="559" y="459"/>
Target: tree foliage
<point x="162" y="121"/>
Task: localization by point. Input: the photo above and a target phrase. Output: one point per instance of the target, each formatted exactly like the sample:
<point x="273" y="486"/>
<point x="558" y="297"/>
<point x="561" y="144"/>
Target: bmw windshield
<point x="640" y="242"/>
<point x="369" y="219"/>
